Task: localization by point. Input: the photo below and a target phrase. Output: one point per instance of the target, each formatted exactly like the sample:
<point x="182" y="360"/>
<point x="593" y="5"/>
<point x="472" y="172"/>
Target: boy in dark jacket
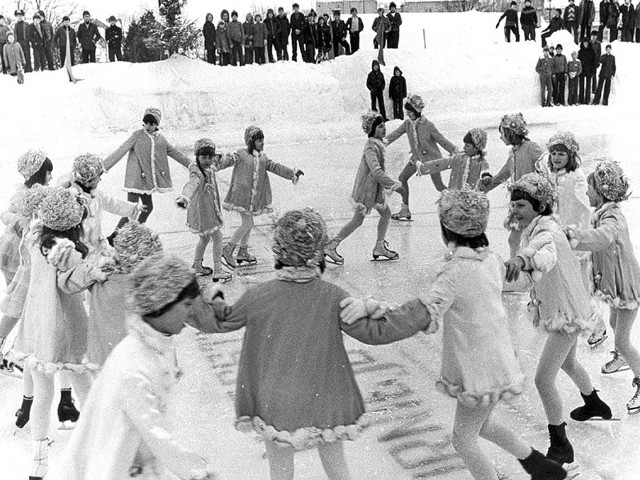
<point x="529" y="21"/>
<point x="559" y="68"/>
<point x="395" y="20"/>
<point x="555" y="24"/>
<point x="545" y="72"/>
<point x="37" y="43"/>
<point x="354" y="27"/>
<point x="23" y="37"/>
<point x="236" y="35"/>
<point x="297" y="26"/>
<point x="511" y="23"/>
<point x="589" y="61"/>
<point x="88" y="35"/>
<point x="209" y="34"/>
<point x="375" y="84"/>
<point x="628" y="20"/>
<point x="397" y="92"/>
<point x="607" y="72"/>
<point x="113" y="36"/>
<point x="248" y="29"/>
<point x="47" y="33"/>
<point x="574" y="70"/>
<point x="572" y="19"/>
<point x="273" y="30"/>
<point x="339" y="31"/>
<point x="259" y="39"/>
<point x="603" y="13"/>
<point x="310" y="39"/>
<point x="282" y="40"/>
<point x="587" y="16"/>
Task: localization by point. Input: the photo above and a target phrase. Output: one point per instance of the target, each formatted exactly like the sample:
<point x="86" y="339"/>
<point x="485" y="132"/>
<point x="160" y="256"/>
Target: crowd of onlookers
<point x="317" y="37"/>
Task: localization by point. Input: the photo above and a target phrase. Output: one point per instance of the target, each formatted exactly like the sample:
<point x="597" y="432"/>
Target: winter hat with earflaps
<point x="538" y="186"/>
<point x="32" y="200"/>
<point x="465" y="212"/>
<point x="610" y="181"/>
<point x="477" y="137"/>
<point x="86" y="167"/>
<point x="416" y="103"/>
<point x="156" y="282"/>
<point x="251" y="134"/>
<point x="371" y="120"/>
<point x="30" y="162"/>
<point x="61" y="210"/>
<point x="204" y="143"/>
<point x="566" y="139"/>
<point x="155" y="113"/>
<point x="133" y="244"/>
<point x="516" y="123"/>
<point x="299" y="239"/>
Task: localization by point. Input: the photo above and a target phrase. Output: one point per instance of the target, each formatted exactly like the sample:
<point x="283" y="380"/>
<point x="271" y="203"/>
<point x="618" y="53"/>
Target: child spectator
<point x="397" y="92"/>
<point x="282" y="40"/>
<point x="248" y="29"/>
<point x="339" y="33"/>
<point x="47" y="34"/>
<point x="22" y="32"/>
<point x="559" y="67"/>
<point x="375" y="84"/>
<point x="36" y="35"/>
<point x="324" y="40"/>
<point x="113" y="36"/>
<point x="259" y="39"/>
<point x="4" y="31"/>
<point x="309" y="39"/>
<point x="627" y="20"/>
<point x="555" y="24"/>
<point x="529" y="21"/>
<point x="297" y="26"/>
<point x="354" y="27"/>
<point x="511" y="22"/>
<point x="544" y="69"/>
<point x="223" y="43"/>
<point x="65" y="40"/>
<point x="395" y="21"/>
<point x="273" y="27"/>
<point x="571" y="19"/>
<point x="574" y="70"/>
<point x="607" y="72"/>
<point x="209" y="34"/>
<point x="589" y="62"/>
<point x="382" y="27"/>
<point x="236" y="36"/>
<point x="613" y="20"/>
<point x="14" y="58"/>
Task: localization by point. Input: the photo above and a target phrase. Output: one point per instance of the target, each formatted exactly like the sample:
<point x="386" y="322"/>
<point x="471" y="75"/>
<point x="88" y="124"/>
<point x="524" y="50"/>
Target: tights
<point x="559" y="353"/>
<point x="241" y="235"/>
<point x="331" y="455"/>
<point x="407" y="172"/>
<point x="621" y="321"/>
<point x="358" y="218"/>
<point x="203" y="241"/>
<point x="473" y="422"/>
<point x="146" y="200"/>
<point x="6" y="325"/>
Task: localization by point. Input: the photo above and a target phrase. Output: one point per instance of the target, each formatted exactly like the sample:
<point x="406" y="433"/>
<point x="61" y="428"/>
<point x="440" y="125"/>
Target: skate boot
<point x="22" y="415"/>
<point x="331" y="253"/>
<point x="542" y="468"/>
<point x="9" y="368"/>
<point x="560" y="449"/>
<point x="67" y="413"/>
<point x="403" y="214"/>
<point x="381" y="250"/>
<point x="227" y="255"/>
<point x="40" y="459"/>
<point x="221" y="276"/>
<point x="616" y="364"/>
<point x="245" y="257"/>
<point x="597" y="338"/>
<point x="593" y="407"/>
<point x="634" y="404"/>
<point x="200" y="270"/>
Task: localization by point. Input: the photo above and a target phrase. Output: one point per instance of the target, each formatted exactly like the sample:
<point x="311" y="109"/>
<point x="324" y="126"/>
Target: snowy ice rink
<point x="310" y="115"/>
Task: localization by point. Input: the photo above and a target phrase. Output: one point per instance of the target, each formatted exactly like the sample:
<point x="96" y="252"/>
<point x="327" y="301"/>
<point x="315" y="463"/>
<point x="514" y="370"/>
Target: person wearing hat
<point x="37" y="43"/>
<point x="375" y="85"/>
<point x="236" y="38"/>
<point x="4" y="30"/>
<point x="589" y="61"/>
<point x="23" y="36"/>
<point x="529" y="21"/>
<point x="339" y="34"/>
<point x="88" y="35"/>
<point x="395" y="20"/>
<point x="297" y="23"/>
<point x="544" y="69"/>
<point x="48" y="34"/>
<point x="424" y="138"/>
<point x="354" y="27"/>
<point x="14" y="58"/>
<point x="310" y="39"/>
<point x="113" y="36"/>
<point x="65" y="40"/>
<point x="607" y="72"/>
<point x="559" y="69"/>
<point x="511" y="22"/>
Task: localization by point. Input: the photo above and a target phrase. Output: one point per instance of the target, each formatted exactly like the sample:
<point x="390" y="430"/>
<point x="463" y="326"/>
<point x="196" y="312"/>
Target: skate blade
<point x="66" y="425"/>
<point x="633" y="411"/>
<point x="11" y="372"/>
<point x="621" y="369"/>
<point x="403" y="219"/>
<point x="226" y="264"/>
<point x="600" y="419"/>
<point x="384" y="259"/>
<point x="247" y="264"/>
<point x="332" y="261"/>
<point x="571" y="471"/>
<point x="221" y="280"/>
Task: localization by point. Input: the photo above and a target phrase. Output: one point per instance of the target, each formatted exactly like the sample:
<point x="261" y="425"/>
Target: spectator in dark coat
<point x="4" y="31"/>
<point x="603" y="13"/>
<point x="627" y="15"/>
<point x="572" y="19"/>
<point x="612" y="21"/>
<point x="113" y="36"/>
<point x="223" y="43"/>
<point x="607" y="72"/>
<point x="88" y="35"/>
<point x="60" y="40"/>
<point x="339" y="32"/>
<point x="224" y="16"/>
<point x="397" y="92"/>
<point x="247" y="27"/>
<point x="511" y="22"/>
<point x="587" y="16"/>
<point x="23" y="37"/>
<point x="259" y="39"/>
<point x="236" y="35"/>
<point x="555" y="24"/>
<point x="597" y="48"/>
<point x="529" y="21"/>
<point x="309" y="39"/>
<point x="354" y="27"/>
<point x="375" y="84"/>
<point x="544" y="70"/>
<point x="209" y="33"/>
<point x="47" y="33"/>
<point x="37" y="43"/>
<point x="381" y="26"/>
<point x="559" y="68"/>
<point x="587" y="56"/>
<point x="393" y="37"/>
<point x="297" y="26"/>
<point x="324" y="39"/>
<point x="273" y="30"/>
<point x="282" y="39"/>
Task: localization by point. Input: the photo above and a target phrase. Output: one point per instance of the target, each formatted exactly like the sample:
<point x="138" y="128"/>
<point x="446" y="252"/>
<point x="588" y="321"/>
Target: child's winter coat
<point x="375" y="79"/>
<point x="204" y="215"/>
<point x="574" y="68"/>
<point x="397" y="86"/>
<point x="14" y="57"/>
<point x="222" y="38"/>
<point x="559" y="64"/>
<point x="372" y="178"/>
<point x="10" y="240"/>
<point x="236" y="32"/>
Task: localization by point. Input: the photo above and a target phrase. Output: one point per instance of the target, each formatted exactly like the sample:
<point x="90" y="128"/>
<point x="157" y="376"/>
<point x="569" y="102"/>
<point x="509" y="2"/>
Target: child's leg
<point x="6" y="325"/>
<point x="216" y="238"/>
<point x="623" y="326"/>
<point x="334" y="461"/>
<point x="505" y="438"/>
<point x="576" y="371"/>
<point x="82" y="385"/>
<point x="280" y="460"/>
<point x="244" y="241"/>
<point x="466" y="431"/>
<point x="406" y="173"/>
<point x="243" y="231"/>
<point x="201" y="246"/>
<point x="613" y="318"/>
<point x="383" y="223"/>
<point x="41" y="409"/>
<point x="352" y="226"/>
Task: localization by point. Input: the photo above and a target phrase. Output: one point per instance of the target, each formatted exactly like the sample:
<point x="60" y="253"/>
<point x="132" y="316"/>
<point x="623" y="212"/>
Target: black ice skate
<point x="22" y="415"/>
<point x="593" y="409"/>
<point x="403" y="215"/>
<point x="67" y="413"/>
<point x="542" y="468"/>
<point x="244" y="258"/>
<point x="381" y="250"/>
<point x="227" y="256"/>
<point x="9" y="368"/>
<point x="560" y="449"/>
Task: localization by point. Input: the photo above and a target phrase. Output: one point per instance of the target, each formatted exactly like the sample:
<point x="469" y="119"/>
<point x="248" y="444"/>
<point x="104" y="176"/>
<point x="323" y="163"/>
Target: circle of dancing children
<point x="295" y="385"/>
<point x="616" y="273"/>
<point x="249" y="193"/>
<point x="479" y="368"/>
<point x="201" y="198"/>
<point x="369" y="192"/>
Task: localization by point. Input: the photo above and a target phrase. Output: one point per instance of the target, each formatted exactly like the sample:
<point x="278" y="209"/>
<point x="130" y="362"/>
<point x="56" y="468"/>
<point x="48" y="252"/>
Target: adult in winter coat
<point x="282" y="39"/>
<point x="259" y="39"/>
<point x="47" y="33"/>
<point x="612" y="21"/>
<point x="23" y="37"/>
<point x="309" y="39"/>
<point x="236" y="35"/>
<point x="37" y="43"/>
<point x="382" y="27"/>
<point x="587" y="16"/>
<point x="511" y="22"/>
<point x="63" y="35"/>
<point x="273" y="30"/>
<point x="555" y="24"/>
<point x="529" y="21"/>
<point x="209" y="33"/>
<point x="627" y="15"/>
<point x="375" y="84"/>
<point x="587" y="57"/>
<point x="354" y="27"/>
<point x="13" y="56"/>
<point x="545" y="72"/>
<point x="223" y="43"/>
<point x="572" y="19"/>
<point x="248" y="29"/>
<point x="297" y="26"/>
<point x="339" y="32"/>
<point x="4" y="30"/>
<point x="607" y="72"/>
<point x="603" y="13"/>
<point x="113" y="36"/>
<point x="395" y="20"/>
<point x="88" y="35"/>
<point x="397" y="92"/>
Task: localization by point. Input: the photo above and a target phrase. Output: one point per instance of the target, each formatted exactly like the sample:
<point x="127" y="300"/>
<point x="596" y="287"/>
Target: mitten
<point x="297" y="173"/>
<point x="182" y="201"/>
<point x="418" y="168"/>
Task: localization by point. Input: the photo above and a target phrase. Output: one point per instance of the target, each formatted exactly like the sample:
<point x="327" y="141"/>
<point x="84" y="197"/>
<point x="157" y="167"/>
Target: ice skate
<point x="221" y="276"/>
<point x="200" y="270"/>
<point x="616" y="364"/>
<point x="403" y="215"/>
<point x="10" y="369"/>
<point x="40" y="459"/>
<point x="593" y="407"/>
<point x="560" y="449"/>
<point x="244" y="257"/>
<point x="381" y="250"/>
<point x="331" y="253"/>
<point x="23" y="413"/>
<point x="227" y="255"/>
<point x="67" y="414"/>
<point x="634" y="404"/>
<point x="597" y="338"/>
<point x="542" y="468"/>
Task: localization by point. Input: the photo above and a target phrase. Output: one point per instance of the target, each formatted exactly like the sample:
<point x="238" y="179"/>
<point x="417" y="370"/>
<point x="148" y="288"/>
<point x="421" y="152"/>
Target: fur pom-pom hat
<point x="299" y="239"/>
<point x="156" y="282"/>
<point x="566" y="139"/>
<point x="416" y="102"/>
<point x="516" y="123"/>
<point x="477" y="137"/>
<point x="610" y="181"/>
<point x="155" y="113"/>
<point x="203" y="143"/>
<point x="465" y="212"/>
<point x="134" y="243"/>
<point x="86" y="167"/>
<point x="538" y="186"/>
<point x="251" y="134"/>
<point x="32" y="200"/>
<point x="368" y="120"/>
<point x="30" y="162"/>
<point x="61" y="210"/>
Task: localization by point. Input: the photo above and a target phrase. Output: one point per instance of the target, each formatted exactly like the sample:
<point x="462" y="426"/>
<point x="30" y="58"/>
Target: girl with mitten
<point x="559" y="302"/>
<point x="369" y="192"/>
<point x="201" y="198"/>
<point x="295" y="384"/>
<point x="250" y="191"/>
<point x="616" y="273"/>
<point x="479" y="368"/>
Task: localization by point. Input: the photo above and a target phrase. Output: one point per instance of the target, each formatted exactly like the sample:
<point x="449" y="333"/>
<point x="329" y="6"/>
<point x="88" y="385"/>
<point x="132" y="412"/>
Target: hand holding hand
<point x="140" y="208"/>
<point x="396" y="186"/>
<point x="514" y="267"/>
<point x="182" y="201"/>
<point x="418" y="168"/>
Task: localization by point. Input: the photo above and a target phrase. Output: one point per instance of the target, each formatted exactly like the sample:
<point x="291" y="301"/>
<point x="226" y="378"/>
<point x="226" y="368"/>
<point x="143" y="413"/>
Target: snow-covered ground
<point x="310" y="114"/>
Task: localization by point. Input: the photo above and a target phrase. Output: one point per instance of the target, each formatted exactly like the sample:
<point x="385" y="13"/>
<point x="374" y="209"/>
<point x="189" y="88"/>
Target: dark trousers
<point x="627" y="33"/>
<point x="585" y="30"/>
<point x="546" y="89"/>
<point x="296" y="40"/>
<point x="613" y="33"/>
<point x="258" y="55"/>
<point x="236" y="53"/>
<point x="573" y="90"/>
<point x="544" y="36"/>
<point x="225" y="58"/>
<point x="558" y="88"/>
<point x="606" y="81"/>
<point x="282" y="52"/>
<point x="584" y="92"/>
<point x="637" y="32"/>
<point x="572" y="27"/>
<point x="146" y="200"/>
<point x="600" y="32"/>
<point x="398" y="112"/>
<point x="270" y="48"/>
<point x="529" y="32"/>
<point x="211" y="55"/>
<point x="4" y="67"/>
<point x="39" y="60"/>
<point x="354" y="38"/>
<point x="248" y="55"/>
<point x="508" y="30"/>
<point x="393" y="38"/>
<point x="380" y="99"/>
<point x="116" y="53"/>
<point x="48" y="55"/>
<point x="88" y="56"/>
<point x="309" y="53"/>
<point x="336" y="47"/>
<point x="63" y="57"/>
<point x="26" y="48"/>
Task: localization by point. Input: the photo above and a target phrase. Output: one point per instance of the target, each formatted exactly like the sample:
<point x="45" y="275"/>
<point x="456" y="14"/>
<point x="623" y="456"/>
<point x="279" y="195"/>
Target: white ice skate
<point x="382" y="250"/>
<point x="634" y="404"/>
<point x="597" y="338"/>
<point x="616" y="364"/>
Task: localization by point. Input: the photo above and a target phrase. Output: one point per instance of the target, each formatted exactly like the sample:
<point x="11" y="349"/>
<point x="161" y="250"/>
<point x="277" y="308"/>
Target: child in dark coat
<point x="375" y="84"/>
<point x="397" y="92"/>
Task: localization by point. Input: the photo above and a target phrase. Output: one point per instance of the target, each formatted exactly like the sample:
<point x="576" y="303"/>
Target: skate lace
<point x="616" y="359"/>
<point x="636" y="396"/>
